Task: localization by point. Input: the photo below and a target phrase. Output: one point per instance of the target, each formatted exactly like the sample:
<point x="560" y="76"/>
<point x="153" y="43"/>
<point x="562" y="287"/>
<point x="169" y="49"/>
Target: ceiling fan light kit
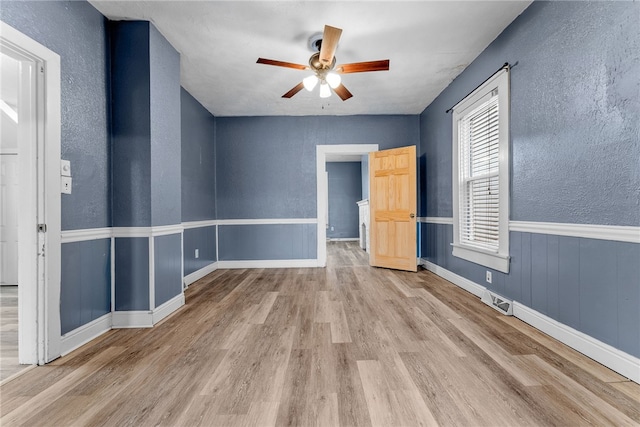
<point x="323" y="65"/>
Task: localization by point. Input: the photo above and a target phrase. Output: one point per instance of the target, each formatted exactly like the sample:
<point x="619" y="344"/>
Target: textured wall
<point x="575" y="108"/>
<point x="203" y="239"/>
<point x="345" y="190"/>
<point x="164" y="62"/>
<point x="267" y="242"/>
<point x="85" y="291"/>
<point x="574" y="159"/>
<point x="131" y="123"/>
<point x="167" y="267"/>
<point x="76" y="31"/>
<point x="266" y="166"/>
<point x="198" y="160"/>
<point x="132" y="273"/>
<point x="365" y="177"/>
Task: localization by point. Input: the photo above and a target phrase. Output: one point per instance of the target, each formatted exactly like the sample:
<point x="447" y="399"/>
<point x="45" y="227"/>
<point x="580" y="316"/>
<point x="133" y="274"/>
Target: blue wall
<point x="165" y="116"/>
<point x="76" y="31"/>
<point x="167" y="268"/>
<point x="132" y="274"/>
<point x="203" y="239"/>
<point x="345" y="190"/>
<point x="266" y="168"/>
<point x="574" y="159"/>
<point x="267" y="165"/>
<point x="198" y="160"/>
<point x="85" y="292"/>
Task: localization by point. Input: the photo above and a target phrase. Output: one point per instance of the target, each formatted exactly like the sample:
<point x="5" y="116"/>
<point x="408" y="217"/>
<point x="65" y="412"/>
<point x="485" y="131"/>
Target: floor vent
<point x="501" y="304"/>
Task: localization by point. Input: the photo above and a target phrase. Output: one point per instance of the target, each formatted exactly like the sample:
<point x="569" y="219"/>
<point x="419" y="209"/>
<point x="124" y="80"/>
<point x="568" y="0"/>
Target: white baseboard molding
<point x="343" y="239"/>
<point x="146" y="318"/>
<point x="167" y="308"/>
<point x="199" y="274"/>
<point x="616" y="360"/>
<point x="132" y="319"/>
<point x="85" y="333"/>
<point x="462" y="282"/>
<point x="275" y="263"/>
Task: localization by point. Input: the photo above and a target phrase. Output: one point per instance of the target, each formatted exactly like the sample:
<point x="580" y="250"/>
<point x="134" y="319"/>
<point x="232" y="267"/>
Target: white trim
<point x="199" y="224"/>
<point x="342" y="239"/>
<point x="322" y="190"/>
<point x="588" y="231"/>
<point x="71" y="236"/>
<point x="264" y="221"/>
<point x="85" y="333"/>
<point x="275" y="263"/>
<point x="436" y="220"/>
<point x="132" y="319"/>
<point x="167" y="308"/>
<point x="199" y="274"/>
<point x="614" y="359"/>
<point x="39" y="324"/>
<point x="500" y="81"/>
<point x="146" y="318"/>
<point x="159" y="230"/>
<point x="617" y="360"/>
<point x="460" y="281"/>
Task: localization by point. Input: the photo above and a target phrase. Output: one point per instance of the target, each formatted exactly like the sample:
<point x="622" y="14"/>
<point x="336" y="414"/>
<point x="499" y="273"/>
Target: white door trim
<point x="39" y="317"/>
<point x="323" y="191"/>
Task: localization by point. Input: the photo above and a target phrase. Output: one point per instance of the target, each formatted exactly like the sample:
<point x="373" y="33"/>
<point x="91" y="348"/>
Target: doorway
<point x="324" y="154"/>
<point x="31" y="179"/>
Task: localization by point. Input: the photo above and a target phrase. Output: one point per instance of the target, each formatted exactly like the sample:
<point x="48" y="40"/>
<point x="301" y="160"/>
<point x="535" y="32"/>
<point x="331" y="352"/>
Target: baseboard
<point x="343" y="239"/>
<point x="275" y="263"/>
<point x="199" y="274"/>
<point x="167" y="308"/>
<point x="616" y="360"/>
<point x="460" y="281"/>
<point x="85" y="333"/>
<point x="132" y="319"/>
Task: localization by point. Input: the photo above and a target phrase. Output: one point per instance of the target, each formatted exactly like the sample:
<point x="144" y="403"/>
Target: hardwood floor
<point x="345" y="345"/>
<point x="9" y="365"/>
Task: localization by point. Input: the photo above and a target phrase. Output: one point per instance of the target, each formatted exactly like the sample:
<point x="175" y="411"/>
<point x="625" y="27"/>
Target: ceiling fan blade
<point x="293" y="91"/>
<point x="281" y="64"/>
<point x="329" y="44"/>
<point x="343" y="92"/>
<point x="361" y="67"/>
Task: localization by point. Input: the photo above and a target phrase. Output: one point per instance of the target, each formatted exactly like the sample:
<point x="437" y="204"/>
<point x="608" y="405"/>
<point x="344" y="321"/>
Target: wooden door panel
<point x="392" y="200"/>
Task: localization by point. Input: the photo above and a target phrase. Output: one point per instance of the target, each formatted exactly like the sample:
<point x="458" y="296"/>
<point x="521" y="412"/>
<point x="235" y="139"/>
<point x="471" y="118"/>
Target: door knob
<point x="412" y="216"/>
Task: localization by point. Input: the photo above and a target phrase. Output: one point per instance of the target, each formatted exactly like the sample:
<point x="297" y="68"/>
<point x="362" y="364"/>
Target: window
<point x="481" y="174"/>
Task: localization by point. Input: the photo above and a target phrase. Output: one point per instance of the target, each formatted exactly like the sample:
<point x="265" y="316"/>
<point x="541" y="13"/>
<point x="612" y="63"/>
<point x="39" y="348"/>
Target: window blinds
<point x="479" y="183"/>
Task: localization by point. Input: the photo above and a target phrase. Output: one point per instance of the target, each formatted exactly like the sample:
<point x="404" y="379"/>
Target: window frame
<point x="497" y="260"/>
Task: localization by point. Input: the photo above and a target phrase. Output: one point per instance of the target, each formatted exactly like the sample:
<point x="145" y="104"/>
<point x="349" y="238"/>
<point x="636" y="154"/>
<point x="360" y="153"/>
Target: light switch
<point x="65" y="168"/>
<point x="65" y="185"/>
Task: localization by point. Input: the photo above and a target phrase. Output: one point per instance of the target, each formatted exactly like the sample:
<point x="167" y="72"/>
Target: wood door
<point x="392" y="200"/>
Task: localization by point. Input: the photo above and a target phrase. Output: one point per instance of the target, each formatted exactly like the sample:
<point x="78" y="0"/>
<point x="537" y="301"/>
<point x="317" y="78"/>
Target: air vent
<point x="501" y="304"/>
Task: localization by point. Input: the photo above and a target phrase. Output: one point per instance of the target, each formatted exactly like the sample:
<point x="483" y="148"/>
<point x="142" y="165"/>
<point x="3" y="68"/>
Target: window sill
<point x="494" y="261"/>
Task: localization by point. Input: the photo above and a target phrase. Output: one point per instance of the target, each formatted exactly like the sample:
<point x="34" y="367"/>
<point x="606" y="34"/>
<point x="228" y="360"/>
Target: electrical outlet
<point x="489" y="278"/>
<point x="65" y="185"/>
<point x="197" y="253"/>
<point x="331" y="228"/>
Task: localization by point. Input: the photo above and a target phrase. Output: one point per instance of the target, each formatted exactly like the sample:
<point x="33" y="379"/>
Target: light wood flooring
<point x="9" y="365"/>
<point x="345" y="345"/>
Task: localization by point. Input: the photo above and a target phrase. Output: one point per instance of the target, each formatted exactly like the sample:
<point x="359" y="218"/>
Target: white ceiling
<point x="428" y="43"/>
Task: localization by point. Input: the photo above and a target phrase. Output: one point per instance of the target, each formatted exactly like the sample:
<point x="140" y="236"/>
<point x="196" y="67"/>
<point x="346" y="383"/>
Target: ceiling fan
<point x="323" y="65"/>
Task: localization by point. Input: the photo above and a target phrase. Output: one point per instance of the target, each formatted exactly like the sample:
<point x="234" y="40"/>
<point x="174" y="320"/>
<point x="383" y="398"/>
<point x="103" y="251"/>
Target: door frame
<point x="323" y="188"/>
<point x="39" y="299"/>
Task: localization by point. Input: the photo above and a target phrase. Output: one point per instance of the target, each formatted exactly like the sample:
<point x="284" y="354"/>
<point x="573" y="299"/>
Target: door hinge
<point x="42" y="228"/>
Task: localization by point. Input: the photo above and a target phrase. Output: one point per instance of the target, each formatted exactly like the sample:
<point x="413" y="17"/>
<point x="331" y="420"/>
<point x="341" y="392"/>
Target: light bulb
<point x="333" y="79"/>
<point x="310" y="82"/>
<point x="325" y="91"/>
